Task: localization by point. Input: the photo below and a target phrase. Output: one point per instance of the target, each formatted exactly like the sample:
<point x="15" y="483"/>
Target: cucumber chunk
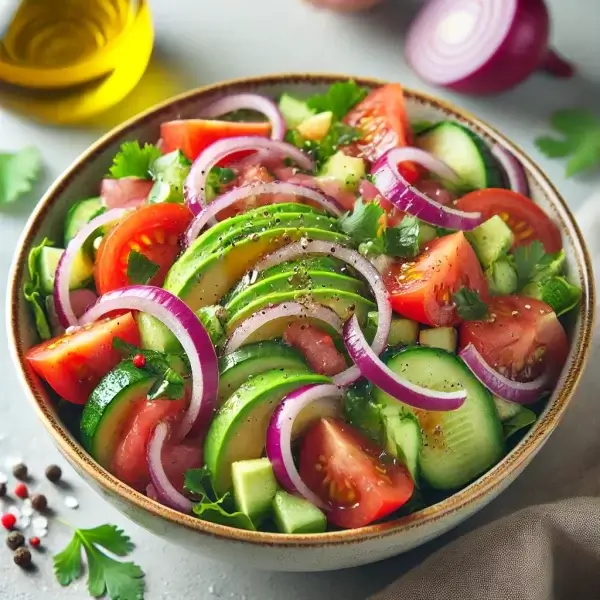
<point x="502" y="278"/>
<point x="458" y="445"/>
<point x="254" y="487"/>
<point x="439" y="337"/>
<point x="81" y="214"/>
<point x="402" y="331"/>
<point x="346" y="170"/>
<point x="297" y="515"/>
<point x="81" y="272"/>
<point x="294" y="111"/>
<point x="491" y="240"/>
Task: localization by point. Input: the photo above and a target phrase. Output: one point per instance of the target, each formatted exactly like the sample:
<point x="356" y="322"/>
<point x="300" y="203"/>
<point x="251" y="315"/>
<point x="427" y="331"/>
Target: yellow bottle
<point x="65" y="61"/>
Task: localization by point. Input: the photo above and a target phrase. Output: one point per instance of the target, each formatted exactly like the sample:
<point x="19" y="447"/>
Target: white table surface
<point x="200" y="42"/>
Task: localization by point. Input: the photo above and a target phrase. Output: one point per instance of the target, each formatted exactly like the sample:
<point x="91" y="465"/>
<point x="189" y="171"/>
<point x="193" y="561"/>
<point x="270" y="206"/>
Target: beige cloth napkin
<point x="548" y="551"/>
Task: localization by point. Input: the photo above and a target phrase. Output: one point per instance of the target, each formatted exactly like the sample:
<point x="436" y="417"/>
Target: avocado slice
<point x="253" y="359"/>
<point x="108" y="408"/>
<point x="344" y="304"/>
<point x="202" y="282"/>
<point x="491" y="240"/>
<point x="254" y="487"/>
<point x="295" y="281"/>
<point x="297" y="515"/>
<point x="239" y="427"/>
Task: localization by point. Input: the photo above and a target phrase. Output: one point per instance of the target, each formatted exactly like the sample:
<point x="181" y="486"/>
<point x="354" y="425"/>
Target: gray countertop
<point x="202" y="42"/>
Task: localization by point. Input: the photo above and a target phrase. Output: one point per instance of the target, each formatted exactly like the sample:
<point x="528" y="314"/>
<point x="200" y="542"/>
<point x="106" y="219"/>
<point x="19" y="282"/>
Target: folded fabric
<point x="549" y="551"/>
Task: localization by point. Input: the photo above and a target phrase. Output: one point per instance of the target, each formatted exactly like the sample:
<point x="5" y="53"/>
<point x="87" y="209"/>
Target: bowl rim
<point x="511" y="464"/>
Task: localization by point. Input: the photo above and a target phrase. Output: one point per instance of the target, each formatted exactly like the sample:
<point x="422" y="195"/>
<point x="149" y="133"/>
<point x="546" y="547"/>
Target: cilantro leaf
<point x="560" y="295"/>
<point x="106" y="575"/>
<point x="132" y="160"/>
<point x="218" y="177"/>
<point x="211" y="507"/>
<point x="580" y="129"/>
<point x="140" y="270"/>
<point x="33" y="291"/>
<point x="340" y="98"/>
<point x="403" y="240"/>
<point x="469" y="305"/>
<point x="18" y="171"/>
<point x="529" y="260"/>
<point x="365" y="222"/>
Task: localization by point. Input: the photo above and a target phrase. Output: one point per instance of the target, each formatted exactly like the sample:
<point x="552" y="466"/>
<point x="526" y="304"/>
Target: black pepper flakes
<point x="39" y="502"/>
<point x="20" y="471"/>
<point x="53" y="473"/>
<point x="15" y="540"/>
<point x="22" y="558"/>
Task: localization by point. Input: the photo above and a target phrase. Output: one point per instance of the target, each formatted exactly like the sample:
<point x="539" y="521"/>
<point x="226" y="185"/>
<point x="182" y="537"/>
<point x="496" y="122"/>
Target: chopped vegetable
<point x="18" y="171"/>
<point x="134" y="160"/>
<point x="340" y="98"/>
<point x="469" y="305"/>
<point x="106" y="575"/>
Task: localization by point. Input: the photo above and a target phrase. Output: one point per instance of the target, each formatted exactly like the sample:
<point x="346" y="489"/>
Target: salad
<point x="306" y="314"/>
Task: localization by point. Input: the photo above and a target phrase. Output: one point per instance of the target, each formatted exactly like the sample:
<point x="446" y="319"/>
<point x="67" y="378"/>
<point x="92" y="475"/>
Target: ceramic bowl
<point x="326" y="551"/>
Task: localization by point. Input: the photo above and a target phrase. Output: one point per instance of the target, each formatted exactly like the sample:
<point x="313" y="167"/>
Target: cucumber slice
<point x="458" y="445"/>
<point x="463" y="151"/>
<point x="253" y="359"/>
<point x="81" y="272"/>
<point x="403" y="438"/>
<point x="81" y="214"/>
<point x="239" y="427"/>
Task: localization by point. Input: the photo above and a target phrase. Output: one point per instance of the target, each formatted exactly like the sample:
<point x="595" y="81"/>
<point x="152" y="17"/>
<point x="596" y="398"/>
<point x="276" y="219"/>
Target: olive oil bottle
<point x="65" y="61"/>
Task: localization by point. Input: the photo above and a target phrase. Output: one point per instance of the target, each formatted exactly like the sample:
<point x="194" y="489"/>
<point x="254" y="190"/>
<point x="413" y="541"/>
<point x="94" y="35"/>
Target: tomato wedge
<point x="525" y="218"/>
<point x="351" y="474"/>
<point x="154" y="231"/>
<point x="423" y="289"/>
<point x="192" y="136"/>
<point x="521" y="338"/>
<point x="74" y="363"/>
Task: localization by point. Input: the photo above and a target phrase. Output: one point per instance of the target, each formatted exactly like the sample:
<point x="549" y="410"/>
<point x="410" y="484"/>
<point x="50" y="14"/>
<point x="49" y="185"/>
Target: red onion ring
<point x="195" y="184"/>
<point x="164" y="489"/>
<point x="62" y="297"/>
<point x="187" y="328"/>
<point x="240" y="193"/>
<point x="360" y="264"/>
<point x="425" y="159"/>
<point x="290" y="309"/>
<point x="396" y="189"/>
<point x="279" y="436"/>
<point x="507" y="389"/>
<point x="379" y="374"/>
<point x="260" y="104"/>
<point x="515" y="173"/>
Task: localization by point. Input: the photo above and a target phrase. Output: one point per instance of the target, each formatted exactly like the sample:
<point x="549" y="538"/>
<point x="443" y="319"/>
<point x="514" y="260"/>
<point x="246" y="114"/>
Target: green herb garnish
<point x="33" y="293"/>
<point x="580" y="140"/>
<point x="218" y="177"/>
<point x="140" y="269"/>
<point x="530" y="260"/>
<point x="132" y="160"/>
<point x="340" y="98"/>
<point x="469" y="305"/>
<point x="18" y="171"/>
<point x="106" y="575"/>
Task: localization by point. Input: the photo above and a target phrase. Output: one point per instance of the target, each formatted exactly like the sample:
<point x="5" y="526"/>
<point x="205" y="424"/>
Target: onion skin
<point x="345" y="5"/>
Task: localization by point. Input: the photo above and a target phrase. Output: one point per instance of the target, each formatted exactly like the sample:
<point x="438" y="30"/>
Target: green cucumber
<point x="458" y="445"/>
<point x="81" y="272"/>
<point x="80" y="214"/>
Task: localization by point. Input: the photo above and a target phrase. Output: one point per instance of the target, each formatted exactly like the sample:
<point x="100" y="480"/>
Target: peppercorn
<point x="53" y="473"/>
<point x="22" y="557"/>
<point x="39" y="502"/>
<point x="139" y="361"/>
<point x="20" y="471"/>
<point x="15" y="540"/>
<point x="21" y="491"/>
<point x="35" y="542"/>
<point x="2" y="490"/>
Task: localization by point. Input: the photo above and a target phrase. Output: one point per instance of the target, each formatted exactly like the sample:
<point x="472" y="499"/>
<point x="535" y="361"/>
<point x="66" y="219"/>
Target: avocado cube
<point x="297" y="515"/>
<point x="254" y="487"/>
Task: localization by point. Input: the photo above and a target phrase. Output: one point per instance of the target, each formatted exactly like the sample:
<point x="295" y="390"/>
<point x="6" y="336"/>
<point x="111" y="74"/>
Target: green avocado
<point x="344" y="304"/>
<point x="239" y="428"/>
<point x="295" y="281"/>
<point x="200" y="282"/>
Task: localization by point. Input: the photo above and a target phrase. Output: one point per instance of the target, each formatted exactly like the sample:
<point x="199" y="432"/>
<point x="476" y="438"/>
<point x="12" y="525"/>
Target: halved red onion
<point x="255" y="102"/>
<point x="425" y="159"/>
<point x="279" y="435"/>
<point x="265" y="316"/>
<point x="515" y="173"/>
<point x="396" y="189"/>
<point x="507" y="389"/>
<point x="165" y="491"/>
<point x="195" y="184"/>
<point x="240" y="193"/>
<point x="177" y="316"/>
<point x="62" y="297"/>
<point x="362" y="266"/>
<point x="379" y="374"/>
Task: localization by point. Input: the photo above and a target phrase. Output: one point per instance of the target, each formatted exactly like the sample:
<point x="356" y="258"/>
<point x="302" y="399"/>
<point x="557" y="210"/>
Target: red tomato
<point x="130" y="463"/>
<point x="192" y="136"/>
<point x="423" y="289"/>
<point x="74" y="363"/>
<point x="526" y="219"/>
<point x="521" y="338"/>
<point x="127" y="192"/>
<point x="317" y="347"/>
<point x="351" y="474"/>
<point x="181" y="458"/>
<point x="154" y="231"/>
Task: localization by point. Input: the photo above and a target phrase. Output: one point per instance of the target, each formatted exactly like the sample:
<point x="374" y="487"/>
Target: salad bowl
<point x="263" y="549"/>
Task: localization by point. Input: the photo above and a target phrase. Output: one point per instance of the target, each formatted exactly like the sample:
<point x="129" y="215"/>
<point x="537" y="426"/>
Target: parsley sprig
<point x="18" y="171"/>
<point x="106" y="575"/>
<point x="530" y="262"/>
<point x="469" y="305"/>
<point x="340" y="98"/>
<point x="140" y="269"/>
<point x="133" y="160"/>
<point x="580" y="141"/>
